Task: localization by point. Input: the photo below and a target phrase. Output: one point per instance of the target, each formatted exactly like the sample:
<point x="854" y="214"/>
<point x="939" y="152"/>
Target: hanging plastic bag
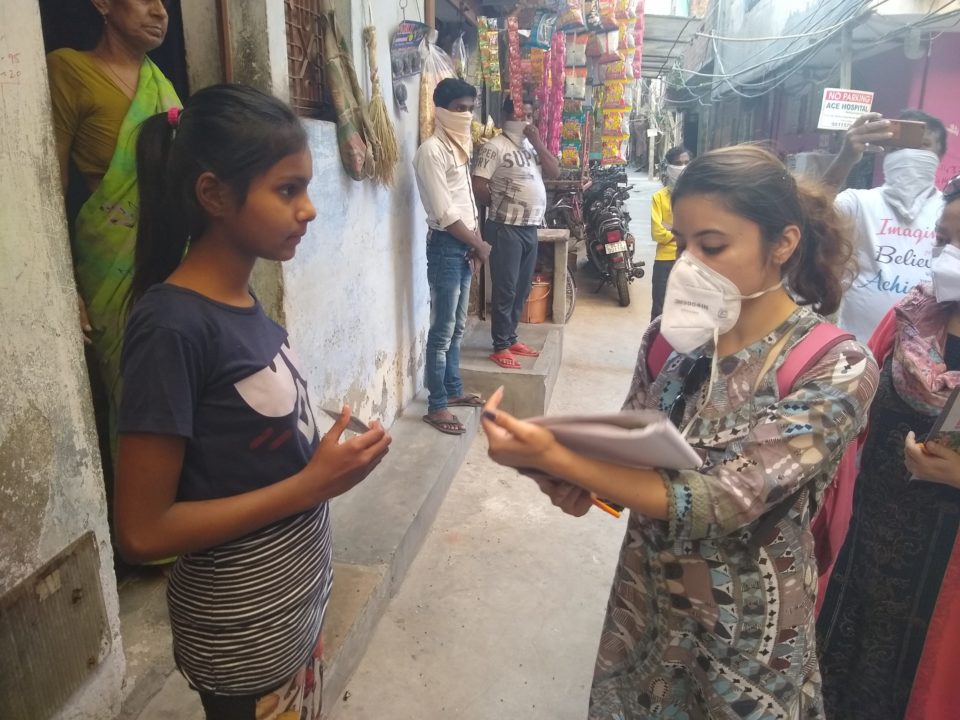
<point x="437" y="65"/>
<point x="459" y="55"/>
<point x="488" y="38"/>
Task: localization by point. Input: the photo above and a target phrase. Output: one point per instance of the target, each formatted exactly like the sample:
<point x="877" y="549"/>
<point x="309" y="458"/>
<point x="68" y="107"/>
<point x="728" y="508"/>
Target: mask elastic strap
<point x="763" y="292"/>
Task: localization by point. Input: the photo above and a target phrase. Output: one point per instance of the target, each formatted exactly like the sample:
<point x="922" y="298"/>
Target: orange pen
<point x="606" y="508"/>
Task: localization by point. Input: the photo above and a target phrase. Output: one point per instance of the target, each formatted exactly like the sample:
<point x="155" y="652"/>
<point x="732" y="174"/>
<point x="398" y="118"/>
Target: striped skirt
<point x="246" y="615"/>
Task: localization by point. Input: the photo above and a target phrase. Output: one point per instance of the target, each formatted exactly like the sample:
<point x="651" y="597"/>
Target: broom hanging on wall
<point x="386" y="149"/>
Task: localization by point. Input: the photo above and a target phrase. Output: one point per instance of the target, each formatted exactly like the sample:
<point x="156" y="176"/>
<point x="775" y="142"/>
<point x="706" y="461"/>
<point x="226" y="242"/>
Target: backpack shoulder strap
<point x="657" y="354"/>
<point x="807" y="353"/>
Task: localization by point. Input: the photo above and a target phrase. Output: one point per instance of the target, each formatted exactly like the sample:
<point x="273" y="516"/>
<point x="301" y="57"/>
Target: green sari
<point x="105" y="233"/>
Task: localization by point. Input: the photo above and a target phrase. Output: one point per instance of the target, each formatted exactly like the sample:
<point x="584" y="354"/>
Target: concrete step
<point x="378" y="528"/>
<point x="527" y="390"/>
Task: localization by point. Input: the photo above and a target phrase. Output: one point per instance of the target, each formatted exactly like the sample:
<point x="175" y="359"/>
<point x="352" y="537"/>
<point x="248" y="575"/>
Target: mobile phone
<point x="906" y="134"/>
<point x="354" y="425"/>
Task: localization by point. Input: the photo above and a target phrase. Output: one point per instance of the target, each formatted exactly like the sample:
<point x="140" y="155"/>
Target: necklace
<point x="115" y="74"/>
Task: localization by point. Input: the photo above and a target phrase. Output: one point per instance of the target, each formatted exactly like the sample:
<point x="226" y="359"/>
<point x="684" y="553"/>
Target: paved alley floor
<point x="500" y="613"/>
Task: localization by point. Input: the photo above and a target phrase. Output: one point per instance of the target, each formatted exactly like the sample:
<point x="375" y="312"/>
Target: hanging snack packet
<point x="615" y="94"/>
<point x="572" y="128"/>
<point x="608" y="13"/>
<point x="609" y="46"/>
<point x="572" y="18"/>
<point x="577" y="50"/>
<point x="613" y="152"/>
<point x="541" y="33"/>
<point x="570" y="155"/>
<point x="616" y="124"/>
<point x="576" y="84"/>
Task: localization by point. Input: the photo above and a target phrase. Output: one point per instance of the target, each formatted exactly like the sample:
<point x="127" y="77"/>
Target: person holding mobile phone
<point x="893" y="225"/>
<point x="890" y="618"/>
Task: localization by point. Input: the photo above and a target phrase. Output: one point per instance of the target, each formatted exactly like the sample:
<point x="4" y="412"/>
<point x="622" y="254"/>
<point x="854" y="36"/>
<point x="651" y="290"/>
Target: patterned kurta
<point x="711" y="614"/>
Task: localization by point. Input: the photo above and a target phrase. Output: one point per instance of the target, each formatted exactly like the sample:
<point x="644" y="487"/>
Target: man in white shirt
<point x="454" y="247"/>
<point x="894" y="224"/>
<point x="508" y="179"/>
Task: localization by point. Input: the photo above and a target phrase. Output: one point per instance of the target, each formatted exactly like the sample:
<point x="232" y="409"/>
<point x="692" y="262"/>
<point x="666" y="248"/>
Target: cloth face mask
<point x="673" y="174"/>
<point x="908" y="177"/>
<point x="700" y="305"/>
<point x="456" y="126"/>
<point x="513" y="129"/>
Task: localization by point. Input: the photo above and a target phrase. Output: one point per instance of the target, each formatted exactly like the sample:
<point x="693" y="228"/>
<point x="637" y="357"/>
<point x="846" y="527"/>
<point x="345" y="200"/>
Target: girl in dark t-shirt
<point x="220" y="462"/>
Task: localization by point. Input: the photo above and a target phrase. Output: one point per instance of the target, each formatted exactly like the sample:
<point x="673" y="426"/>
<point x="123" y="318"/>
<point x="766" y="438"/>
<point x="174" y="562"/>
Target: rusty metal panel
<point x="53" y="633"/>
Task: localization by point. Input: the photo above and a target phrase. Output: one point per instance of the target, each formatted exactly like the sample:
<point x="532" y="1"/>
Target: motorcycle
<point x="610" y="244"/>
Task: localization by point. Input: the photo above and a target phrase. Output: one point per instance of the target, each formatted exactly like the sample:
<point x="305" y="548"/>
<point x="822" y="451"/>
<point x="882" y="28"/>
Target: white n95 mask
<point x="700" y="305"/>
<point x="945" y="273"/>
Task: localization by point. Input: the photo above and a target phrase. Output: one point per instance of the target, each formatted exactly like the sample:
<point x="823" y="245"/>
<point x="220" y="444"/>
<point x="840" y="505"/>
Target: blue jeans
<point x="449" y="274"/>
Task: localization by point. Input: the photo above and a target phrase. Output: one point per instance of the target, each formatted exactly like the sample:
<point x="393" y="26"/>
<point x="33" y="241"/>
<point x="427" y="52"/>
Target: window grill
<point x="305" y="56"/>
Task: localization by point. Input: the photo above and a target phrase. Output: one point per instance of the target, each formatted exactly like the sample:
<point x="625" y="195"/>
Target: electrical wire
<point x="933" y="16"/>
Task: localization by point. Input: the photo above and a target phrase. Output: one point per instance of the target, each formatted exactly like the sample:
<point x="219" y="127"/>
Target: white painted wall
<point x="356" y="299"/>
<point x="51" y="489"/>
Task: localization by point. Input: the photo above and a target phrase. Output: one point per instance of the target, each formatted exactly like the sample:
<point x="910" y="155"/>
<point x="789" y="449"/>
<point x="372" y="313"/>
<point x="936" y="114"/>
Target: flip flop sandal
<point x="470" y="400"/>
<point x="448" y="427"/>
<point x="505" y="359"/>
<point x="524" y="350"/>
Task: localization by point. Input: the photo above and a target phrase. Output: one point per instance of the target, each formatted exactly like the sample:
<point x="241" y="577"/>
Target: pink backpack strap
<point x="657" y="355"/>
<point x="807" y="353"/>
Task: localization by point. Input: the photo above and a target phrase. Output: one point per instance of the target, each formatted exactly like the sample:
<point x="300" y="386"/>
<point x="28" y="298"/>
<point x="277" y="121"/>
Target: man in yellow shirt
<point x="661" y="223"/>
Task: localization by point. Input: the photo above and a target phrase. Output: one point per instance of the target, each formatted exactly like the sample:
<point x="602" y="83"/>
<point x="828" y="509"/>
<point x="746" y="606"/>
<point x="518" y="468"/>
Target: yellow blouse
<point x="88" y="110"/>
<point x="661" y="215"/>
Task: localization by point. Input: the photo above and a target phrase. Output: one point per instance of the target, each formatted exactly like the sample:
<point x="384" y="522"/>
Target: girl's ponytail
<point x="161" y="233"/>
<point x="820" y="269"/>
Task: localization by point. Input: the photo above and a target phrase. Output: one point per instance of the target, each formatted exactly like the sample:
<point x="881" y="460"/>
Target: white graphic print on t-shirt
<point x="517" y="194"/>
<point x="892" y="256"/>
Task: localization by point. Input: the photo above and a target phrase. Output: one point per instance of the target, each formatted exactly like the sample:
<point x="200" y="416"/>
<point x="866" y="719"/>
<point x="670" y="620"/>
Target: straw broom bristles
<point x="386" y="149"/>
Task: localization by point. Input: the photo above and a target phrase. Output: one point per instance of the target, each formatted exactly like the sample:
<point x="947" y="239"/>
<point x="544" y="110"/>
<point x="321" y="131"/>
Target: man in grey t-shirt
<point x="508" y="179"/>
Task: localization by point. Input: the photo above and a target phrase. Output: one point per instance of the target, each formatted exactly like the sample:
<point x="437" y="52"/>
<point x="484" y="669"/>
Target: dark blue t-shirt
<point x="226" y="379"/>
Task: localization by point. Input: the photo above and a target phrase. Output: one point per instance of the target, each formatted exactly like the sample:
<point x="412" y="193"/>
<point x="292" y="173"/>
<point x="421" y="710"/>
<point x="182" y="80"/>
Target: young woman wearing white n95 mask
<point x="711" y="614"/>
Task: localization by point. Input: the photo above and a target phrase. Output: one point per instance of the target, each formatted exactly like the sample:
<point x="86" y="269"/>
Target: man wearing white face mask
<point x="661" y="222"/>
<point x="894" y="223"/>
<point x="508" y="179"/>
<point x="454" y="248"/>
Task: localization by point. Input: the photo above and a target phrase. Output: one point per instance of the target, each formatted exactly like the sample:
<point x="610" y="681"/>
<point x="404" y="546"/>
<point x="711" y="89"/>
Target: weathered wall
<point x="356" y="296"/>
<point x="355" y="299"/>
<point x="51" y="489"/>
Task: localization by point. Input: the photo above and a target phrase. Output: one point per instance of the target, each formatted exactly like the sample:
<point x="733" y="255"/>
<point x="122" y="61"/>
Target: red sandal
<point x="505" y="359"/>
<point x="524" y="350"/>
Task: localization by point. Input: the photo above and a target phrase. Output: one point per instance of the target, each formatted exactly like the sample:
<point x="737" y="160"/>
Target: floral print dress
<point x="711" y="613"/>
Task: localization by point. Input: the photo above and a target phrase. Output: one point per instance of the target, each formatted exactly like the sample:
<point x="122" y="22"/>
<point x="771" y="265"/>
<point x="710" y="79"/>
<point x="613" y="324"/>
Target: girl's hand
<point x="337" y="466"/>
<point x="571" y="499"/>
<point x="932" y="462"/>
<point x="513" y="442"/>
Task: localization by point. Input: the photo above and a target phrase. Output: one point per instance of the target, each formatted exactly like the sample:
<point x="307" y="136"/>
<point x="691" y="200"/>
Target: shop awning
<point x="665" y="40"/>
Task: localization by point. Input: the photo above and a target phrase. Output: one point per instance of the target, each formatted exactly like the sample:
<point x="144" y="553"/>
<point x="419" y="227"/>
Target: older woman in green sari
<point x="100" y="97"/>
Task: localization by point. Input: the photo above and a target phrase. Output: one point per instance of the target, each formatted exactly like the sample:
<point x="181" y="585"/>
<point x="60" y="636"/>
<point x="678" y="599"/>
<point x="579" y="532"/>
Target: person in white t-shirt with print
<point x="894" y="224"/>
<point x="508" y="179"/>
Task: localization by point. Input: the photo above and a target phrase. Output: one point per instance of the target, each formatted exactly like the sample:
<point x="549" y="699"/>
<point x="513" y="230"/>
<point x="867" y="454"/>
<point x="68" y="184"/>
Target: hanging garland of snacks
<point x="514" y="63"/>
<point x="489" y="42"/>
<point x="558" y="77"/>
